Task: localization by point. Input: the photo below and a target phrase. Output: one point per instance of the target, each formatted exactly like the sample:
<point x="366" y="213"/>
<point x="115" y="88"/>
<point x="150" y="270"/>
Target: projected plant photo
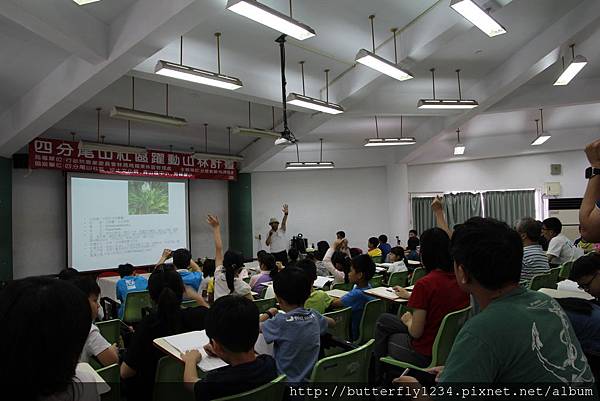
<point x="146" y="197"/>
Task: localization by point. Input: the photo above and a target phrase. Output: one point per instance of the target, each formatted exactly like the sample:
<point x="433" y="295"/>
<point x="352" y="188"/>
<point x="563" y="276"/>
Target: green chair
<point x="555" y="273"/>
<point x="376" y="281"/>
<point x="112" y="376"/>
<point x="263" y="291"/>
<point x="272" y="391"/>
<point x="565" y="270"/>
<point x="347" y="367"/>
<point x="418" y="274"/>
<point x="342" y="286"/>
<point x="545" y="280"/>
<point x="189" y="304"/>
<point x="398" y="278"/>
<point x="371" y="312"/>
<point x="377" y="259"/>
<point x="342" y="318"/>
<point x="247" y="279"/>
<point x="168" y="381"/>
<point x="134" y="303"/>
<point x="110" y="330"/>
<point x="264" y="304"/>
<point x="449" y="328"/>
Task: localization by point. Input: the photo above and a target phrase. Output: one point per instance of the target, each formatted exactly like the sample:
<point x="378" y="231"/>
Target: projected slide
<point x="114" y="221"/>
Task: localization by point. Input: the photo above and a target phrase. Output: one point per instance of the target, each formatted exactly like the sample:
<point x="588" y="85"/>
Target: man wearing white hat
<point x="277" y="240"/>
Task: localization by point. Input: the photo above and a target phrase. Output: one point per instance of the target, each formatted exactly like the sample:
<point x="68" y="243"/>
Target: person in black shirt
<point x="232" y="327"/>
<point x="168" y="318"/>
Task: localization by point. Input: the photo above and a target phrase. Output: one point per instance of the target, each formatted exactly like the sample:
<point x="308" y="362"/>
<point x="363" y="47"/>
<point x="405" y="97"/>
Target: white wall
<point x="530" y="171"/>
<point x="39" y="220"/>
<point x="322" y="202"/>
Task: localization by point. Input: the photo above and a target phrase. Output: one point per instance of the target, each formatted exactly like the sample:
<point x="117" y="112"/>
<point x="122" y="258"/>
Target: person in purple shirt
<point x="268" y="270"/>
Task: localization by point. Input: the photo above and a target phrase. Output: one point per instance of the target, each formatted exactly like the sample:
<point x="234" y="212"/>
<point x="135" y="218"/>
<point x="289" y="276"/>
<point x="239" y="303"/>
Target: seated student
<point x="45" y="323"/>
<point x="340" y="235"/>
<point x="229" y="267"/>
<point x="361" y="271"/>
<point x="560" y="248"/>
<point x="384" y="246"/>
<point x="487" y="258"/>
<point x="318" y="299"/>
<point x="373" y="251"/>
<point x="398" y="260"/>
<point x="319" y="254"/>
<point x="296" y="334"/>
<point x="293" y="256"/>
<point x="411" y="249"/>
<point x="129" y="282"/>
<point x="232" y="328"/>
<point x="410" y="338"/>
<point x="535" y="260"/>
<point x="95" y="344"/>
<point x="413" y="234"/>
<point x="337" y="263"/>
<point x="207" y="286"/>
<point x="268" y="270"/>
<point x="68" y="274"/>
<point x="168" y="318"/>
<point x="189" y="270"/>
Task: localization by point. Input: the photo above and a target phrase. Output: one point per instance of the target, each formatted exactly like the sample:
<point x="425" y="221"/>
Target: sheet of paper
<point x="196" y="340"/>
<point x="261" y="347"/>
<point x="321" y="281"/>
<point x="85" y="370"/>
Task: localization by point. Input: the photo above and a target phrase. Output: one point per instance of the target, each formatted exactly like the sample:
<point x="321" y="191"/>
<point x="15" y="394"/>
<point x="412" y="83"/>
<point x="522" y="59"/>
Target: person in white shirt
<point x="277" y="239"/>
<point x="397" y="260"/>
<point x="560" y="248"/>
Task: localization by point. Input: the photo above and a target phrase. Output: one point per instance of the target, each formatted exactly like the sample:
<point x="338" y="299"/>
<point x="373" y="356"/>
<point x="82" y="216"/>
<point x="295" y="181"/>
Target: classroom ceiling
<point x="64" y="61"/>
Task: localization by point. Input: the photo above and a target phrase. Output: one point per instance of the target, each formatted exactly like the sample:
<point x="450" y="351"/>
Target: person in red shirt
<point x="410" y="338"/>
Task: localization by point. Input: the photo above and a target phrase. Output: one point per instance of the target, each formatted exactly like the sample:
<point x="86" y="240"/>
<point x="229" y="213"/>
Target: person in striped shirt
<point x="535" y="260"/>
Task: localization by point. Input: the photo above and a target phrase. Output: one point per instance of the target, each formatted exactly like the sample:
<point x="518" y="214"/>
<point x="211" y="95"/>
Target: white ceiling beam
<point x="63" y="24"/>
<point x="140" y="32"/>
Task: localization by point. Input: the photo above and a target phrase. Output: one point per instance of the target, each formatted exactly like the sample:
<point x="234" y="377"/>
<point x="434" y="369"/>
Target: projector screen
<point x="115" y="220"/>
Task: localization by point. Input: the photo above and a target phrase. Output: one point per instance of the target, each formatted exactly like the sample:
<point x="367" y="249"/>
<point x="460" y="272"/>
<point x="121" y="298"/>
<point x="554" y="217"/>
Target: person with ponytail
<point x="167" y="318"/>
<point x="229" y="267"/>
<point x="337" y="262"/>
<point x="268" y="270"/>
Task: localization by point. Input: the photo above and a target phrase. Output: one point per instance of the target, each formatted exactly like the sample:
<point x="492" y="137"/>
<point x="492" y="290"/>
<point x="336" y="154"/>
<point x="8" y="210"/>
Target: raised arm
<point x="166" y="255"/>
<point x="285" y="216"/>
<point x="213" y="221"/>
<point x="438" y="211"/>
<point x="589" y="213"/>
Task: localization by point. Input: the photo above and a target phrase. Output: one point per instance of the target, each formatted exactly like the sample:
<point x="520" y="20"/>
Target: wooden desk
<point x="557" y="294"/>
<point x="385" y="293"/>
<point x="414" y="263"/>
<point x="336" y="293"/>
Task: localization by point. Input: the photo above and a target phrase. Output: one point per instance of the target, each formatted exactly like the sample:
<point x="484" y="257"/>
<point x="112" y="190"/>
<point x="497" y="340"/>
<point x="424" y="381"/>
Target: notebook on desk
<point x="321" y="281"/>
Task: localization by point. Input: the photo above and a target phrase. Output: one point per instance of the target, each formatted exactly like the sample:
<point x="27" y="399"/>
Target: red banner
<point x="57" y="154"/>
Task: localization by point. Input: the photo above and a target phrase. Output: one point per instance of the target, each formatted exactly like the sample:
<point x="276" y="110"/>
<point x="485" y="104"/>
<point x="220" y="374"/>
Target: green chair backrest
<point x="555" y="273"/>
<point x="170" y="371"/>
<point x="272" y="391"/>
<point x="371" y="312"/>
<point x="112" y="376"/>
<point x="377" y="259"/>
<point x="565" y="270"/>
<point x="263" y="291"/>
<point x="444" y="339"/>
<point x="542" y="281"/>
<point x="342" y="286"/>
<point x="190" y="303"/>
<point x="134" y="303"/>
<point x="247" y="279"/>
<point x="342" y="319"/>
<point x="264" y="304"/>
<point x="110" y="330"/>
<point x="376" y="281"/>
<point x="347" y="367"/>
<point x="418" y="274"/>
<point x="398" y="278"/>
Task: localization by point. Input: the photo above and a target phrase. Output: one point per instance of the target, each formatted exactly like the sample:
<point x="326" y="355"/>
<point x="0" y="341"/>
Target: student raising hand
<point x="212" y="221"/>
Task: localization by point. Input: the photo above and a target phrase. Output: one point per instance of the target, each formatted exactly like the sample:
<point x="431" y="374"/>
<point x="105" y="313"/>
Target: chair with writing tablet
<point x="342" y="319"/>
<point x="398" y="278"/>
<point x="110" y="330"/>
<point x="377" y="259"/>
<point x="376" y="281"/>
<point x="112" y="376"/>
<point x="555" y="273"/>
<point x="418" y="274"/>
<point x="264" y="305"/>
<point x="272" y="391"/>
<point x="371" y="312"/>
<point x="190" y="303"/>
<point x="342" y="286"/>
<point x="545" y="280"/>
<point x="134" y="303"/>
<point x="168" y="381"/>
<point x="449" y="328"/>
<point x="565" y="271"/>
<point x="347" y="367"/>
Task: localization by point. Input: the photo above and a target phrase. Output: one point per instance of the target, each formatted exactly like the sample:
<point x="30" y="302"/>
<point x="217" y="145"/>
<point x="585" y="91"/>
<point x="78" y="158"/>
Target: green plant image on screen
<point x="148" y="197"/>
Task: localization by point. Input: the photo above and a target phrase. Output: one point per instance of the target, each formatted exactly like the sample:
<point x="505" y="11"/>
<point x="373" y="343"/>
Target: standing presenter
<point x="277" y="239"/>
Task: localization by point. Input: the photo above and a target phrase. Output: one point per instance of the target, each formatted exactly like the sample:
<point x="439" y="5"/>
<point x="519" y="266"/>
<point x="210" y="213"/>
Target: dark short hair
<point x="309" y="267"/>
<point x="398" y="251"/>
<point x="585" y="265"/>
<point x="182" y="258"/>
<point x="293" y="254"/>
<point x="125" y="270"/>
<point x="413" y="231"/>
<point x="292" y="285"/>
<point x="341" y="234"/>
<point x="490" y="252"/>
<point x="383" y="238"/>
<point x="412" y="244"/>
<point x="365" y="265"/>
<point x="354" y="252"/>
<point x="68" y="274"/>
<point x="531" y="228"/>
<point x="435" y="250"/>
<point x="260" y="253"/>
<point x="87" y="285"/>
<point x="374" y="241"/>
<point x="166" y="289"/>
<point x="233" y="322"/>
<point x="209" y="267"/>
<point x="554" y="224"/>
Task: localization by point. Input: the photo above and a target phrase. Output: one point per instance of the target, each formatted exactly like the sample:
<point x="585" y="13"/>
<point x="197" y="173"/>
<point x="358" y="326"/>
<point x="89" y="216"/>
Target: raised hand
<point x="437" y="204"/>
<point x="212" y="221"/>
<point x="285" y="208"/>
<point x="167" y="253"/>
<point x="592" y="151"/>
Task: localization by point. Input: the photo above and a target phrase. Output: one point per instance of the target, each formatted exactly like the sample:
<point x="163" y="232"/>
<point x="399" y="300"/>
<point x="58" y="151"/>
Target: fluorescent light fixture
<point x="390" y="141"/>
<point x="281" y="141"/>
<point x="540" y="140"/>
<point x="308" y="165"/>
<point x="146" y="116"/>
<point x="256" y="132"/>
<point x="82" y="2"/>
<point x="273" y="19"/>
<point x="571" y="71"/>
<point x="106" y="147"/>
<point x="459" y="149"/>
<point x="382" y="65"/>
<point x="447" y="104"/>
<point x="314" y="104"/>
<point x="217" y="156"/>
<point x="478" y="17"/>
<point x="196" y="75"/>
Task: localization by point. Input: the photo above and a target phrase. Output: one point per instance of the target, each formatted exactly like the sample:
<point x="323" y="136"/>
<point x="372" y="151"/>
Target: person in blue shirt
<point x="361" y="271"/>
<point x="190" y="272"/>
<point x="384" y="246"/>
<point x="129" y="282"/>
<point x="295" y="334"/>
